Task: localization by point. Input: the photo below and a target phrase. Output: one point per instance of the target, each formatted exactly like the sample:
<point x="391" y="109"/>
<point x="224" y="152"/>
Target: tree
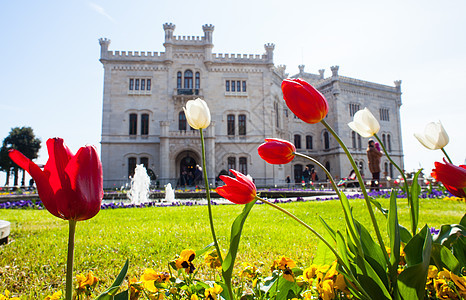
<point x="23" y="140"/>
<point x="6" y="164"/>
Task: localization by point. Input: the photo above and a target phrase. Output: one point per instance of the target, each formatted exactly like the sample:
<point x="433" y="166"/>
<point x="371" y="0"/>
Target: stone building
<point x="143" y="121"/>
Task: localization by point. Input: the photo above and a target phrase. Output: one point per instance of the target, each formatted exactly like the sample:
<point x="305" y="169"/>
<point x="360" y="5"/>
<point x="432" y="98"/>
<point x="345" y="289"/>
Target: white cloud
<point x="99" y="9"/>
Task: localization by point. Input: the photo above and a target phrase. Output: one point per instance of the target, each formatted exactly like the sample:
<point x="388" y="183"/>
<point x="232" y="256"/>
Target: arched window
<point x="353" y="139"/>
<point x="277" y="115"/>
<point x="384" y="140"/>
<point x="298" y="173"/>
<point x="309" y="142"/>
<point x="297" y="141"/>
<point x="385" y="169"/>
<point x="144" y="124"/>
<point x="198" y="81"/>
<point x="389" y="143"/>
<point x="359" y="142"/>
<point x="391" y="170"/>
<point x="231" y="124"/>
<point x="133" y="124"/>
<point x="181" y="121"/>
<point x="178" y="80"/>
<point x="231" y="161"/>
<point x="243" y="165"/>
<point x="326" y="140"/>
<point x="361" y="167"/>
<point x="327" y="166"/>
<point x="242" y="124"/>
<point x="188" y="79"/>
<point x="131" y="166"/>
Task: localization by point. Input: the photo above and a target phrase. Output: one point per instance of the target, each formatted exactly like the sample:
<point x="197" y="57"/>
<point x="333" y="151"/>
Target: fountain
<point x="140" y="182"/>
<point x="4" y="232"/>
<point x="169" y="194"/>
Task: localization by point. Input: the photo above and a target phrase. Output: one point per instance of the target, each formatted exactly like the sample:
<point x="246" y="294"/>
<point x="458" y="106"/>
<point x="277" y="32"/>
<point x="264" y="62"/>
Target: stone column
<point x="164" y="152"/>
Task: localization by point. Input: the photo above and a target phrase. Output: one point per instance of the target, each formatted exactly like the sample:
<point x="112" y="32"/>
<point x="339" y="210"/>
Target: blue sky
<point x="51" y="77"/>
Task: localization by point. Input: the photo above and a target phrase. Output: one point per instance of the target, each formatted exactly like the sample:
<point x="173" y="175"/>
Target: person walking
<point x="373" y="157"/>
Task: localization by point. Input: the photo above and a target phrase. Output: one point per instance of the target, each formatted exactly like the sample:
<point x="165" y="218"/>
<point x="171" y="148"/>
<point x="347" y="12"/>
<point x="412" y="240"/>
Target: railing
<point x="188" y="92"/>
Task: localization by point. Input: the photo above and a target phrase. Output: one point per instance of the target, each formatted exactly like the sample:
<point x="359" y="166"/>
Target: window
<point x="144" y="124"/>
<point x="353" y="108"/>
<point x="327" y="166"/>
<point x="188" y="79"/>
<point x="361" y="167"/>
<point x="353" y="139"/>
<point x="140" y="86"/>
<point x="243" y="166"/>
<point x="236" y="87"/>
<point x="308" y="141"/>
<point x="384" y="115"/>
<point x="389" y="143"/>
<point x="384" y="140"/>
<point x="131" y="166"/>
<point x="297" y="141"/>
<point x="242" y="124"/>
<point x="277" y="115"/>
<point x="231" y="124"/>
<point x="198" y="81"/>
<point x="326" y="140"/>
<point x="178" y="80"/>
<point x="385" y="169"/>
<point x="359" y="142"/>
<point x="181" y="121"/>
<point x="145" y="162"/>
<point x="133" y="123"/>
<point x="231" y="163"/>
<point x="391" y="170"/>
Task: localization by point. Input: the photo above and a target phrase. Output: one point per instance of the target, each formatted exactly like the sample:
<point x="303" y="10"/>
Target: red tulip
<point x="70" y="186"/>
<point x="239" y="190"/>
<point x="453" y="177"/>
<point x="304" y="100"/>
<point x="277" y="151"/>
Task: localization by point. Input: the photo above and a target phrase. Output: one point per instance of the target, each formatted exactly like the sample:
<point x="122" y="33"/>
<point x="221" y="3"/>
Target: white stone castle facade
<point x="143" y="120"/>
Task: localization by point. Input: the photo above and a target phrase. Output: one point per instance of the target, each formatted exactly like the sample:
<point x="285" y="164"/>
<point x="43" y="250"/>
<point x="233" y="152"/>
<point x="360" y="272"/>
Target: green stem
<point x="69" y="261"/>
<point x="207" y="190"/>
<point x="363" y="189"/>
<point x="446" y="155"/>
<point x="347" y="269"/>
<point x="408" y="195"/>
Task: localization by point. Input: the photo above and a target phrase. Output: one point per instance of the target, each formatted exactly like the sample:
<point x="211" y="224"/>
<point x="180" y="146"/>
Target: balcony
<point x="184" y="95"/>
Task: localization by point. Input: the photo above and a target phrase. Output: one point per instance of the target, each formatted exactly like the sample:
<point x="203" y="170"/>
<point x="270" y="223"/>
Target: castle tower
<point x="104" y="43"/>
<point x="301" y="70"/>
<point x="169" y="28"/>
<point x="269" y="47"/>
<point x="208" y="39"/>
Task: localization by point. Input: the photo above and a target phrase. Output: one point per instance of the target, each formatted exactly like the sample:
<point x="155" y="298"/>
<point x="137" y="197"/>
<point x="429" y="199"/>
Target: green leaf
<point x="122" y="296"/>
<point x="205" y="249"/>
<point x="113" y="289"/>
<point x="379" y="206"/>
<point x="459" y="250"/>
<point x="349" y="220"/>
<point x="463" y="221"/>
<point x="405" y="235"/>
<point x="373" y="254"/>
<point x="370" y="280"/>
<point x="329" y="229"/>
<point x="412" y="281"/>
<point x="443" y="258"/>
<point x="448" y="234"/>
<point x="414" y="201"/>
<point x="284" y="287"/>
<point x="394" y="235"/>
<point x="236" y="229"/>
<point x="341" y="246"/>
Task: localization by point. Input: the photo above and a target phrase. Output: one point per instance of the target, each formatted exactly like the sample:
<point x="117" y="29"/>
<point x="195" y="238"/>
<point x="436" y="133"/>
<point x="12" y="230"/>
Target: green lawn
<point x="33" y="264"/>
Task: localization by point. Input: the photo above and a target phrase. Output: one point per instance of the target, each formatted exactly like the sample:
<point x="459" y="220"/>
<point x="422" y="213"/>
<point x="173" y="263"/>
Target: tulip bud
<point x="434" y="136"/>
<point x="277" y="151"/>
<point x="364" y="123"/>
<point x="304" y="100"/>
<point x="197" y="113"/>
<point x="239" y="190"/>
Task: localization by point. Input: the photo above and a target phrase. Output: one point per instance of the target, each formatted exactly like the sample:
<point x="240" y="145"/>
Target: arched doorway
<point x="187" y="168"/>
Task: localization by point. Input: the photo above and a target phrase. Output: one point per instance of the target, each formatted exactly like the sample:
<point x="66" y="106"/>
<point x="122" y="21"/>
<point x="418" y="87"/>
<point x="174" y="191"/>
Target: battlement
<point x="239" y="58"/>
<point x="135" y="55"/>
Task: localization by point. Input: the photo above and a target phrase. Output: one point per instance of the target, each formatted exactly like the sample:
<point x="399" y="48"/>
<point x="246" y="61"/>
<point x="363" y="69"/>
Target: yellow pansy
<point x="6" y="296"/>
<point x="212" y="260"/>
<point x="249" y="271"/>
<point x="86" y="281"/>
<point x="194" y="297"/>
<point x="325" y="289"/>
<point x="283" y="263"/>
<point x="310" y="273"/>
<point x="288" y="274"/>
<point x="55" y="296"/>
<point x="213" y="292"/>
<point x="460" y="282"/>
<point x="185" y="260"/>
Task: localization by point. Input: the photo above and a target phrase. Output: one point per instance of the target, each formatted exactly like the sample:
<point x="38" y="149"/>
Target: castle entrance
<point x="187" y="169"/>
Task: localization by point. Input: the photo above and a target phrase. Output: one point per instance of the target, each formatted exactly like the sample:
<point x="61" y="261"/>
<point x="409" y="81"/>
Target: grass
<point x="33" y="264"/>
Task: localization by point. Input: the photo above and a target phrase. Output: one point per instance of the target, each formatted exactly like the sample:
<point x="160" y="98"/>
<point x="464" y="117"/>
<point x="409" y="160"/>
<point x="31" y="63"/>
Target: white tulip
<point x="197" y="113"/>
<point x="434" y="136"/>
<point x="364" y="123"/>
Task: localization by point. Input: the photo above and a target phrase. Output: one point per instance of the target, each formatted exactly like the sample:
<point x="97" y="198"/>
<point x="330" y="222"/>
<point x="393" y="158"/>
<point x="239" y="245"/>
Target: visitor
<point x="198" y="175"/>
<point x="306" y="175"/>
<point x="373" y="157"/>
<point x="314" y="177"/>
<point x="288" y="181"/>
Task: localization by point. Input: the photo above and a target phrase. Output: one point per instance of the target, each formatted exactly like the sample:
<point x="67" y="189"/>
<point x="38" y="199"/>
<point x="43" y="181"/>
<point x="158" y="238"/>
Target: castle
<point x="143" y="120"/>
